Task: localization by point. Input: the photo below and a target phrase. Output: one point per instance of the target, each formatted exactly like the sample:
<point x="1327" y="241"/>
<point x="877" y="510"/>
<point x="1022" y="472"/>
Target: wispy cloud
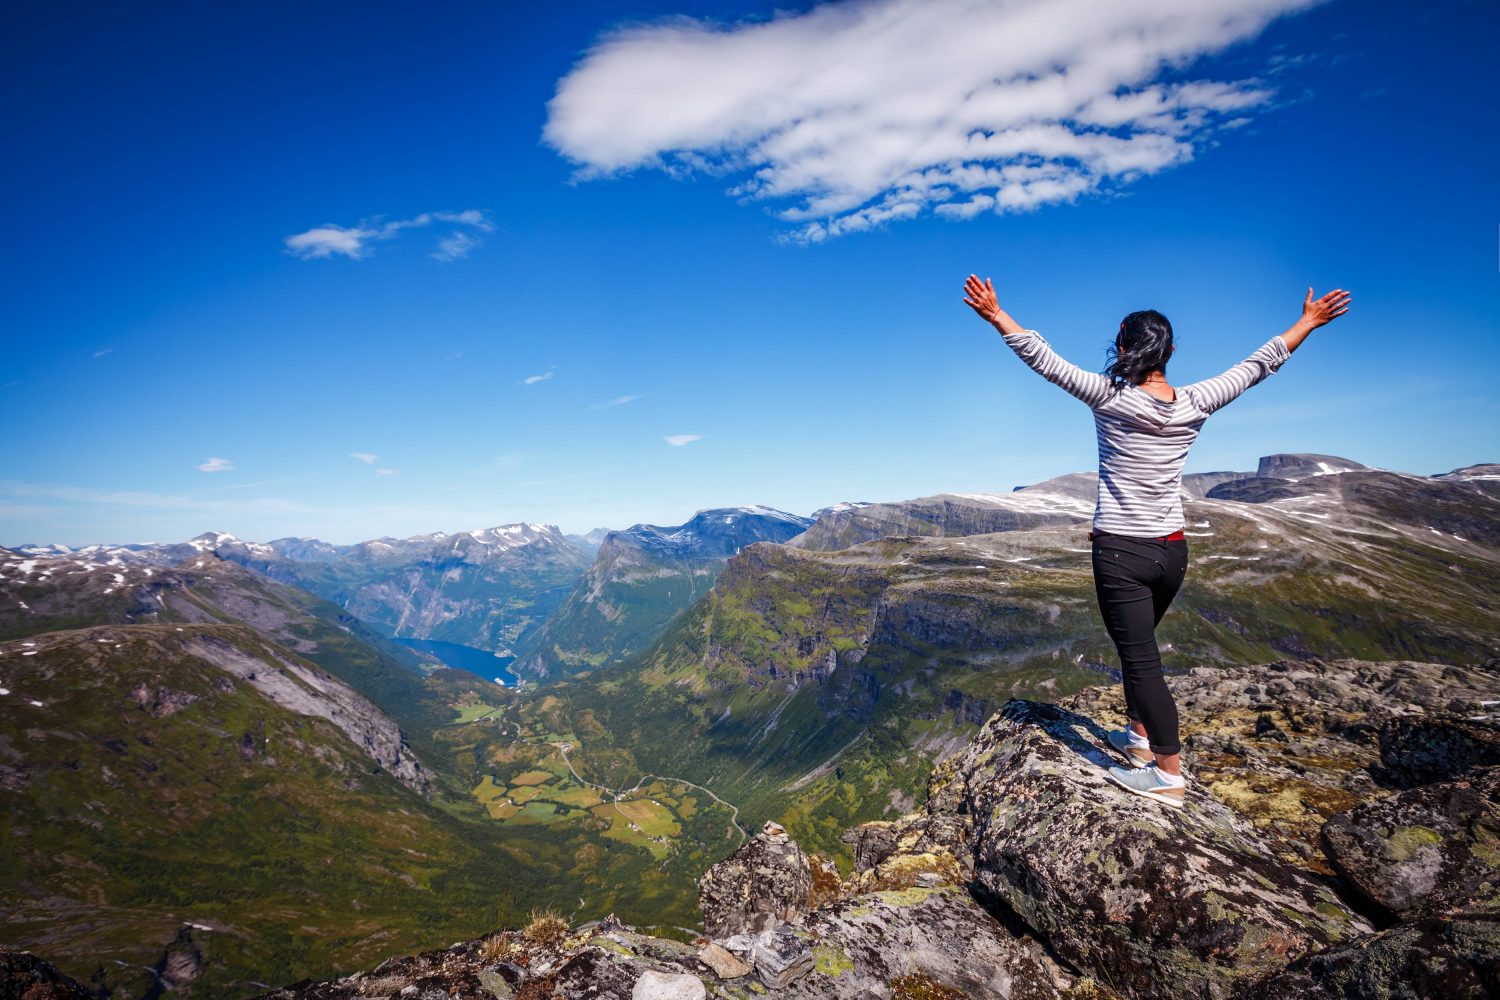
<point x="678" y="440"/>
<point x="217" y="465"/>
<point x="456" y="246"/>
<point x="363" y="456"/>
<point x="534" y="379"/>
<point x="357" y="241"/>
<point x="102" y="352"/>
<point x="386" y="472"/>
<point x="617" y="401"/>
<point x="855" y="114"/>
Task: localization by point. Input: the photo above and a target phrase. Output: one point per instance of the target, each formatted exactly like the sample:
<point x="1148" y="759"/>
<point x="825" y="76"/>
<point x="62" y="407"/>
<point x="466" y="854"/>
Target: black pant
<point x="1135" y="580"/>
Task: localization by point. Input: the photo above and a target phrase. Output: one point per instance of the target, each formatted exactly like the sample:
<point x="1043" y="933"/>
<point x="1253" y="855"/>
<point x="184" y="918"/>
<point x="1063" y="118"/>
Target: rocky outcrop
<point x="1427" y="959"/>
<point x="1288" y="745"/>
<point x="1156" y="902"/>
<point x="764" y="883"/>
<point x="24" y="976"/>
<point x="307" y="690"/>
<point x="1424" y="851"/>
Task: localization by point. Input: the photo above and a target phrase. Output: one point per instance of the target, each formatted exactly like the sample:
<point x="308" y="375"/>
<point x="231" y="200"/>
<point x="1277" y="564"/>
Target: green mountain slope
<point x="158" y="798"/>
<point x="213" y="748"/>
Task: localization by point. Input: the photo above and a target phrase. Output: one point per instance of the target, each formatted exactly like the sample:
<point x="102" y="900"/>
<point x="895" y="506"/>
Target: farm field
<point x="533" y="772"/>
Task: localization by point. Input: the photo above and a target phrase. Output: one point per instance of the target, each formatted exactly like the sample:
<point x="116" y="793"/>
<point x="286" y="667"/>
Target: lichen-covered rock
<point x="1423" y="960"/>
<point x="918" y="850"/>
<point x="782" y="956"/>
<point x="24" y="976"/>
<point x="1419" y="751"/>
<point x="1290" y="744"/>
<point x="1156" y="902"/>
<point x="916" y="833"/>
<point x="862" y="946"/>
<point x="764" y="883"/>
<point x="1425" y="851"/>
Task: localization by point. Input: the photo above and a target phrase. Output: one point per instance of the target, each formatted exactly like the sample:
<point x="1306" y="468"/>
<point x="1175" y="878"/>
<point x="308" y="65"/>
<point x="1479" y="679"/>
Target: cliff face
<point x="1340" y="841"/>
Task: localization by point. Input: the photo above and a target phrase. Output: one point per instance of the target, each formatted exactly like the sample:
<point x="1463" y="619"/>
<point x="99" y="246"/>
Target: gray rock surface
<point x="1424" y="960"/>
<point x="1025" y="876"/>
<point x="782" y="956"/>
<point x="302" y="688"/>
<point x="764" y="883"/>
<point x="1155" y="902"/>
<point x="1424" y="851"/>
<point x="941" y="936"/>
<point x="654" y="985"/>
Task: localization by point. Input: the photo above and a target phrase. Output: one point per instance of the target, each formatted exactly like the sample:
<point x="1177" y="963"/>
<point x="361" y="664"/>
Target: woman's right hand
<point x="1317" y="312"/>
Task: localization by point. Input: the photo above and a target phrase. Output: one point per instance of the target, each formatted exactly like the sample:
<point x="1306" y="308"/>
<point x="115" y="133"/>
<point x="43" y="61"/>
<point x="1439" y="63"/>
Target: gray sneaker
<point x="1148" y="782"/>
<point x="1135" y="750"/>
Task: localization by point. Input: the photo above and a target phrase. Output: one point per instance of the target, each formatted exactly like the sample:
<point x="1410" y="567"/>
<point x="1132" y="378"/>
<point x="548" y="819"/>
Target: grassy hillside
<point x="150" y="794"/>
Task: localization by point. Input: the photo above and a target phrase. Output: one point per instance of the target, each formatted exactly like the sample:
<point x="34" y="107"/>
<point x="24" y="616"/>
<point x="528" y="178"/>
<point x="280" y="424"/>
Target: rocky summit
<point x="1309" y="862"/>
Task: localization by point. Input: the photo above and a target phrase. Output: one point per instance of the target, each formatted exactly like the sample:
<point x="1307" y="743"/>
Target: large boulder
<point x="1156" y="902"/>
<point x="1447" y="959"/>
<point x="1425" y="851"/>
<point x="764" y="883"/>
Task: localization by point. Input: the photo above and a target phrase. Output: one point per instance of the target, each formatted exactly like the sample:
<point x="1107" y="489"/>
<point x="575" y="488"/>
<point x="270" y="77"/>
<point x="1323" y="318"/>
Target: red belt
<point x="1176" y="536"/>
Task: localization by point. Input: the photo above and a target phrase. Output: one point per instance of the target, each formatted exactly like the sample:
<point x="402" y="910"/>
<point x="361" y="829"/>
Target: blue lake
<point x="476" y="661"/>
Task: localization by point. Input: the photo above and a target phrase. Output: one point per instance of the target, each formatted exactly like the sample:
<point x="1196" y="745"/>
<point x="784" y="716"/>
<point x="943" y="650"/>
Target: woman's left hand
<point x="980" y="296"/>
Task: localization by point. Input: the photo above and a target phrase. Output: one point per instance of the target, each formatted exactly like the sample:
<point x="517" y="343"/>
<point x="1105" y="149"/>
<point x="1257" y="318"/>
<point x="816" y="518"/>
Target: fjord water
<point x="478" y="661"/>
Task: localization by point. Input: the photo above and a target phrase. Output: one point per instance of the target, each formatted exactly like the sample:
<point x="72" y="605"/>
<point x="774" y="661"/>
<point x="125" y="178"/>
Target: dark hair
<point x="1143" y="345"/>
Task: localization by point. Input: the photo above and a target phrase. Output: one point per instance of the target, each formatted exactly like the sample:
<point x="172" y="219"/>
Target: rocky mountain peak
<point x="1296" y="466"/>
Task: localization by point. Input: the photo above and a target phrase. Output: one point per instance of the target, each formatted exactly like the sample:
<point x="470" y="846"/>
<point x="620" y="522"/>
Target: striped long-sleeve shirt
<point x="1144" y="441"/>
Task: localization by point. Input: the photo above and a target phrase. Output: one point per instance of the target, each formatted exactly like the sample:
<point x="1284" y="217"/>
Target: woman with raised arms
<point x="1145" y="427"/>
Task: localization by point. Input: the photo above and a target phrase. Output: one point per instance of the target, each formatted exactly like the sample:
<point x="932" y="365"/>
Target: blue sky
<point x="678" y="260"/>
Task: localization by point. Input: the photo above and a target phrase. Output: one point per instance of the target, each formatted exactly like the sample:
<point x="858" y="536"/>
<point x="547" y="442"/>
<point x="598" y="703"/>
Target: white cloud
<point x="386" y="472"/>
<point x="534" y="379"/>
<point x="355" y="241"/>
<point x="363" y="456"/>
<point x="456" y="246"/>
<point x="217" y="465"/>
<point x="678" y="440"/>
<point x="103" y="351"/>
<point x="854" y="114"/>
<point x="617" y="401"/>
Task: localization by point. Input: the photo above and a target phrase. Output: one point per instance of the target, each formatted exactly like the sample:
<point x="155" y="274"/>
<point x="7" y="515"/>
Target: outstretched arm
<point x="1213" y="393"/>
<point x="1029" y="346"/>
